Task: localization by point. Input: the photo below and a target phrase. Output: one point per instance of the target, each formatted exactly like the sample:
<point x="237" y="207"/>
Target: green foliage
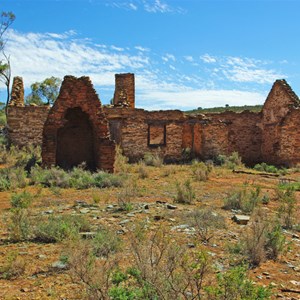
<point x="201" y="170"/>
<point x="287" y="208"/>
<point x="13" y="267"/>
<point x="21" y="200"/>
<point x="105" y="243"/>
<point x="244" y="200"/>
<point x="263" y="167"/>
<point x="18" y="224"/>
<point x="45" y="91"/>
<point x="234" y="285"/>
<point x="58" y="228"/>
<point x="185" y="193"/>
<point x="77" y="178"/>
<point x="230" y="162"/>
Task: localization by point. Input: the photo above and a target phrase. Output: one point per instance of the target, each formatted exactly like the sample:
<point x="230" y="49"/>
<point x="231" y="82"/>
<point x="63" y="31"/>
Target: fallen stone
<point x="87" y="235"/>
<point x="170" y="206"/>
<point x="241" y="219"/>
<point x="59" y="265"/>
<point x="124" y="222"/>
<point x="81" y="203"/>
<point x="84" y="211"/>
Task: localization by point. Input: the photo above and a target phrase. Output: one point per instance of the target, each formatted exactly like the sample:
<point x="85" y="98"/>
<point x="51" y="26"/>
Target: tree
<point x="45" y="91"/>
<point x="7" y="18"/>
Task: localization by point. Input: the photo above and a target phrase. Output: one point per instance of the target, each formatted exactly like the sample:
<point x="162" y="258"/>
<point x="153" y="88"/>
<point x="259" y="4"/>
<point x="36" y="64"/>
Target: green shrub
<point x="56" y="229"/>
<point x="234" y="285"/>
<point x="244" y="200"/>
<point x="287" y="208"/>
<point x="230" y="162"/>
<point x="13" y="267"/>
<point x="21" y="200"/>
<point x="154" y="160"/>
<point x="105" y="243"/>
<point x="185" y="193"/>
<point x="19" y="225"/>
<point x="200" y="170"/>
<point x="103" y="180"/>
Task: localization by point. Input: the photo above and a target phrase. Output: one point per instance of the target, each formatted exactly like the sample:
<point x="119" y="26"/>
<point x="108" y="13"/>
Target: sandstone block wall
<point x="25" y="124"/>
<point x="77" y="96"/>
<point x="134" y="128"/>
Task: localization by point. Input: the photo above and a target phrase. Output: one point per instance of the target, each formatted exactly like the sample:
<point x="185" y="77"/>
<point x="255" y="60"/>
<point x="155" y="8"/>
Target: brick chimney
<point x="124" y="90"/>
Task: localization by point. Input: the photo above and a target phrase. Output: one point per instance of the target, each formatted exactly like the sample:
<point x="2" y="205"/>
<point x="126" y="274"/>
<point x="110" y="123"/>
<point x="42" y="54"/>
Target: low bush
<point x="153" y="159"/>
<point x="206" y="222"/>
<point x="263" y="167"/>
<point x="201" y="170"/>
<point x="230" y="162"/>
<point x="58" y="228"/>
<point x="142" y="170"/>
<point x="185" y="193"/>
<point x="234" y="284"/>
<point x="13" y="267"/>
<point x="244" y="200"/>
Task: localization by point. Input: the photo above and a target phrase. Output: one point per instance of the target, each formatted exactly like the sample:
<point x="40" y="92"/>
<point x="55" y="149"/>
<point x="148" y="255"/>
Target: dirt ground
<point x="43" y="280"/>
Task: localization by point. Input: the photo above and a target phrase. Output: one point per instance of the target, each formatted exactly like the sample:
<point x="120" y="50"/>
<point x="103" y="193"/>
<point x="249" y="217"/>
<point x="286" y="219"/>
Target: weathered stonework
<point x="76" y="129"/>
<point x="124" y="95"/>
<point x="77" y="118"/>
<point x="17" y="92"/>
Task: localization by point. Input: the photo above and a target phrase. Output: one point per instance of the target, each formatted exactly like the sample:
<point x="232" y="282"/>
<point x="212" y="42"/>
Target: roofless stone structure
<point x="79" y="129"/>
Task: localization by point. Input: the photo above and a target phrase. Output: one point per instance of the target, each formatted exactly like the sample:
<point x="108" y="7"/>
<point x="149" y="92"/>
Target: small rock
<point x="170" y="206"/>
<point x="49" y="212"/>
<point x="59" y="265"/>
<point x="295" y="236"/>
<point x="42" y="256"/>
<point x="81" y="203"/>
<point x="191" y="245"/>
<point x="130" y="215"/>
<point x="87" y="235"/>
<point x="124" y="222"/>
<point x="158" y="218"/>
<point x="180" y="227"/>
<point x="84" y="210"/>
<point x="146" y="206"/>
<point x="24" y="290"/>
<point x="266" y="273"/>
<point x="160" y="202"/>
<point x="241" y="219"/>
<point x="294" y="282"/>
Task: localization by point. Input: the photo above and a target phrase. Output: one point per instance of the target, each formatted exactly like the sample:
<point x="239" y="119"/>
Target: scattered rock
<point x="84" y="211"/>
<point x="241" y="219"/>
<point x="25" y="290"/>
<point x="170" y="206"/>
<point x="87" y="235"/>
<point x="124" y="221"/>
<point x="59" y="265"/>
<point x="81" y="203"/>
<point x="158" y="218"/>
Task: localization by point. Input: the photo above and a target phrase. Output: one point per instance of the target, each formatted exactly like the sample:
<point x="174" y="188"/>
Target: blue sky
<point x="184" y="53"/>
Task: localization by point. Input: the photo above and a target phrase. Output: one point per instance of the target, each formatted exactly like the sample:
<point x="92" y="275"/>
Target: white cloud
<point x="36" y="56"/>
<point x="150" y="6"/>
<point x="208" y="58"/>
<point x="189" y="58"/>
<point x="168" y="57"/>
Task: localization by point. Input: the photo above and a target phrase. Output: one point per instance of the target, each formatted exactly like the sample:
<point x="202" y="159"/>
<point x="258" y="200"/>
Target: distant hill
<point x="238" y="109"/>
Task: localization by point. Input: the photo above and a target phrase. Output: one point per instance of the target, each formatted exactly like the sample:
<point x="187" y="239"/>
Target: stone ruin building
<point x="77" y="128"/>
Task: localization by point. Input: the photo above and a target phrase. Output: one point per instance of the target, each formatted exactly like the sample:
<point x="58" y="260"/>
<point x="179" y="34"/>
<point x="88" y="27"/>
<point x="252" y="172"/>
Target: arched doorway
<point x="75" y="141"/>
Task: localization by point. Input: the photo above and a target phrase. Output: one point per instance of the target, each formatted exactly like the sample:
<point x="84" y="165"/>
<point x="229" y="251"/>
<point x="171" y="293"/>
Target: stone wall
<point x="280" y="103"/>
<point x="25" y="124"/>
<point x="77" y="97"/>
<point x="271" y="136"/>
<point x="134" y="128"/>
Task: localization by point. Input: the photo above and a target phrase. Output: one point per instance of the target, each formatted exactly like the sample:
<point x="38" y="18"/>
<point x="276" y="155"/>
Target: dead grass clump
<point x="13" y="267"/>
<point x="201" y="170"/>
<point x="154" y="160"/>
<point x="142" y="170"/>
